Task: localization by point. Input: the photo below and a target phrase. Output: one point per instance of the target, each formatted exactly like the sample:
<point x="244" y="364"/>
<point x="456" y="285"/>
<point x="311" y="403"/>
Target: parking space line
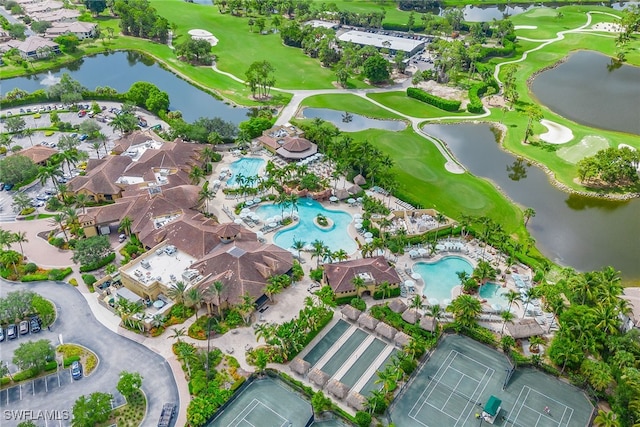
<point x="20" y="388"/>
<point x="33" y="387"/>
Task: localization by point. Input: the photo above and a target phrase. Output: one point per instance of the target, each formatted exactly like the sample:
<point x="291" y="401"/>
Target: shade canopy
<point x="358" y="226"/>
<point x="416" y="276"/>
<point x="333" y="199"/>
<point x="368" y="234"/>
<point x="237" y="221"/>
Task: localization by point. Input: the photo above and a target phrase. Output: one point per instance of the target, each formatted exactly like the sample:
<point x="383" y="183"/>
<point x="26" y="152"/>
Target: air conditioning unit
<point x="144" y="263"/>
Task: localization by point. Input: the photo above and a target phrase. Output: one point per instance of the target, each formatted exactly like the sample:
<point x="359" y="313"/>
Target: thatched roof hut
<point x="318" y="377"/>
<point x="386" y="331"/>
<point x="366" y="321"/>
<point x="411" y="316"/>
<point x="337" y="389"/>
<point x="397" y="306"/>
<point x="525" y="328"/>
<point x="300" y="366"/>
<point x="356" y="401"/>
<point x="341" y="194"/>
<point x="359" y="179"/>
<point x="401" y="339"/>
<point x="354" y="189"/>
<point x="350" y="312"/>
<point x="428" y="323"/>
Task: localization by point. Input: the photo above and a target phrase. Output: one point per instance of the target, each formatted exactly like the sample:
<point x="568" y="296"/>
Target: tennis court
<point x="454" y="385"/>
<point x="265" y="402"/>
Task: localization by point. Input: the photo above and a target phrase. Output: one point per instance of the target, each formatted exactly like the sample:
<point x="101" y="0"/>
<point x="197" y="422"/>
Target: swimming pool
<point x="440" y="277"/>
<point x="335" y="237"/>
<point x="493" y="293"/>
<point x="247" y="166"/>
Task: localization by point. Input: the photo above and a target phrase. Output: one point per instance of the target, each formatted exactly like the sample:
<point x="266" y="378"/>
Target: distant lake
<point x="120" y="70"/>
<point x="587" y="89"/>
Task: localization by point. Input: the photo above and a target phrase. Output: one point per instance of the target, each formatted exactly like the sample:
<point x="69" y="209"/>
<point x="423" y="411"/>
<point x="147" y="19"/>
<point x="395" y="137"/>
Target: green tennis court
<point x="265" y="402"/>
<point x="459" y="378"/>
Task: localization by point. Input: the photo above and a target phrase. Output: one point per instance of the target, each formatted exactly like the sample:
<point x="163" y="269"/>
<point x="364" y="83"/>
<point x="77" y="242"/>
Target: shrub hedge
<point x="24" y="375"/>
<point x="89" y="279"/>
<point x="475" y="92"/>
<point x="58" y="275"/>
<point x="4" y="381"/>
<point x="34" y="277"/>
<point x="67" y="361"/>
<point x="491" y="52"/>
<point x="393" y="292"/>
<point x="96" y="265"/>
<point x="436" y="101"/>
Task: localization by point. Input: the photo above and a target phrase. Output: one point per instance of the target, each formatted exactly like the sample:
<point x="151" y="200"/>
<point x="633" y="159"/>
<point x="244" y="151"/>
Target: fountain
<point x="50" y="80"/>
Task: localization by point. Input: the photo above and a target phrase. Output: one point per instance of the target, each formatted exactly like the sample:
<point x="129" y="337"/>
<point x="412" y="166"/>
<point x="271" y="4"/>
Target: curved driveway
<point x="77" y="324"/>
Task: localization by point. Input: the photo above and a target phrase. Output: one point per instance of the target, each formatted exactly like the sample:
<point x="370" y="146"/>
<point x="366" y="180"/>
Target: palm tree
<point x="246" y="307"/>
<point x="513" y="297"/>
<point x="96" y="145"/>
<point x="215" y="289"/>
<point x="385" y="288"/>
<point x="59" y="220"/>
<point x="205" y="194"/>
<point x="49" y="172"/>
<point x="506" y="316"/>
<point x="193" y="298"/>
<point x="196" y="174"/>
<point x="81" y="201"/>
<point x="20" y="237"/>
<point x="178" y="333"/>
<point x="298" y="245"/>
<point x="125" y="225"/>
<point x="606" y="419"/>
<point x="465" y="309"/>
<point x="528" y="214"/>
<point x="535" y="342"/>
<point x="6" y="239"/>
<point x="436" y="312"/>
<point x="341" y="255"/>
<point x="28" y="132"/>
<point x="11" y="257"/>
<point x="358" y="283"/>
<point x="318" y="251"/>
<point x="416" y="303"/>
<point x="177" y="292"/>
<point x="274" y="286"/>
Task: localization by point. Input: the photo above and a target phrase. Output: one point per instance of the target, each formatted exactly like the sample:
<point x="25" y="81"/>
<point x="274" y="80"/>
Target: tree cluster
<point x="616" y="167"/>
<point x="204" y="130"/>
<point x="91" y="250"/>
<point x="139" y="19"/>
<point x="16" y="169"/>
<point x="34" y="355"/>
<point x="195" y="51"/>
<point x="260" y="78"/>
<point x="147" y="95"/>
<point x="67" y="90"/>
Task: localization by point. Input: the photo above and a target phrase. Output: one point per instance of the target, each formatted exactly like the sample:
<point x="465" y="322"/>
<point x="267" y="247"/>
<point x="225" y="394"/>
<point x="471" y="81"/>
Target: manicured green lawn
<point x="422" y="179"/>
<point x="238" y="47"/>
<point x="400" y="102"/>
<point x="351" y="103"/>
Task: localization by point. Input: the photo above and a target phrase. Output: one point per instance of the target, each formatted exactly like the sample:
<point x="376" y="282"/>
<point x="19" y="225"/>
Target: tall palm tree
<point x="606" y="419"/>
<point x="436" y="312"/>
<point x="81" y="201"/>
<point x="193" y="299"/>
<point x="513" y="297"/>
<point x="298" y="245"/>
<point x="196" y="174"/>
<point x="206" y="195"/>
<point x="59" y="219"/>
<point x="177" y="292"/>
<point x="20" y="237"/>
<point x="506" y="316"/>
<point x="178" y="334"/>
<point x="465" y="310"/>
<point x="318" y="251"/>
<point x="215" y="289"/>
<point x="11" y="257"/>
<point x="7" y="238"/>
<point x="49" y="172"/>
<point x="385" y="288"/>
<point x="528" y="214"/>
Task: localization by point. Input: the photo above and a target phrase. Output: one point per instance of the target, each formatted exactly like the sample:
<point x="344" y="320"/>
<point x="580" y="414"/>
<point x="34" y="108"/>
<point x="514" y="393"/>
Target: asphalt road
<point x="76" y="324"/>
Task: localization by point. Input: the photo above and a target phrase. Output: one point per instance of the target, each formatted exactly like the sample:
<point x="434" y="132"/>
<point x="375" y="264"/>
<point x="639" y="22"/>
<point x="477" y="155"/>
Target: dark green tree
<point x="376" y="69"/>
<point x="89" y="411"/>
<point x="91" y="250"/>
<point x="95" y="6"/>
<point x="34" y="355"/>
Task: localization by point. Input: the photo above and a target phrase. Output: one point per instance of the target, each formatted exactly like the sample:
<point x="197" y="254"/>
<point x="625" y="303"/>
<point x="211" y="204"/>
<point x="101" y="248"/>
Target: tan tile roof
<point x="244" y="267"/>
<point x="340" y="274"/>
<point x="134" y="138"/>
<point x="38" y="153"/>
<point x="101" y="176"/>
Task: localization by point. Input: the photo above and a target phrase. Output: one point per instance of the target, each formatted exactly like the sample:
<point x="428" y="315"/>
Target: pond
<point x="562" y="89"/>
<point x="349" y="122"/>
<point x="126" y="68"/>
<point x="581" y="232"/>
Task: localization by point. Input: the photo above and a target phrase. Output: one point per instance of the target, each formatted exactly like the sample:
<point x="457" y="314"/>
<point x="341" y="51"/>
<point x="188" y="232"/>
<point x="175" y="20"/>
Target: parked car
<point x="35" y="325"/>
<point x="168" y="410"/>
<point x="76" y="370"/>
<point x="82" y="113"/>
<point x="83" y="137"/>
<point x="122" y="238"/>
<point x="8" y="186"/>
<point x="12" y="331"/>
<point x="1" y="334"/>
<point x="24" y="327"/>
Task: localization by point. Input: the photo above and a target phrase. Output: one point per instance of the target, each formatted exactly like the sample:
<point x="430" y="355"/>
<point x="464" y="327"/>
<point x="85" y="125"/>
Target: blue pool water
<point x="493" y="294"/>
<point x="440" y="277"/>
<point x="247" y="166"/>
<point x="305" y="230"/>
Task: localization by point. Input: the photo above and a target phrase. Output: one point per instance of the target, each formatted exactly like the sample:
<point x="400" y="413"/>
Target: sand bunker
<point x="525" y="27"/>
<point x="609" y="27"/>
<point x="556" y="133"/>
<point x="203" y="35"/>
<point x="627" y="146"/>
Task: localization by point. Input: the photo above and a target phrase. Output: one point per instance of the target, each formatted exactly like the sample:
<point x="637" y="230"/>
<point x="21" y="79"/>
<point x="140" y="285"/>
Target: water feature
<point x="335" y="237"/>
<point x="562" y="90"/>
<point x="493" y="293"/>
<point x="440" y="277"/>
<point x="581" y="232"/>
<point x="50" y="80"/>
<point x="126" y="68"/>
<point x="349" y="122"/>
<point x="246" y="166"/>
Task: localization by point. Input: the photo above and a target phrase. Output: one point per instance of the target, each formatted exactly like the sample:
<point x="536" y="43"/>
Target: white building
<point x="407" y="44"/>
<point x="82" y="30"/>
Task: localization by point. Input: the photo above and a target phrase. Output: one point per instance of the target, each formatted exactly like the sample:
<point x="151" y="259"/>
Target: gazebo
<point x="350" y="312"/>
<point x="341" y="194"/>
<point x="386" y="331"/>
<point x="354" y="189"/>
<point x="525" y="328"/>
<point x="337" y="389"/>
<point x="297" y="148"/>
<point x="401" y="339"/>
<point x="428" y="323"/>
<point x="359" y="179"/>
<point x="300" y="366"/>
<point x="397" y="306"/>
<point x="356" y="401"/>
<point x="366" y="321"/>
<point x="318" y="377"/>
<point x="411" y="316"/>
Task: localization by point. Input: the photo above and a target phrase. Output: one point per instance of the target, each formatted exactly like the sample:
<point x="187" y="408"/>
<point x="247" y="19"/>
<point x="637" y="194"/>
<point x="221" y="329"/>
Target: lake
<point x="576" y="231"/>
<point x="581" y="87"/>
<point x="350" y="122"/>
<point x="126" y="68"/>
